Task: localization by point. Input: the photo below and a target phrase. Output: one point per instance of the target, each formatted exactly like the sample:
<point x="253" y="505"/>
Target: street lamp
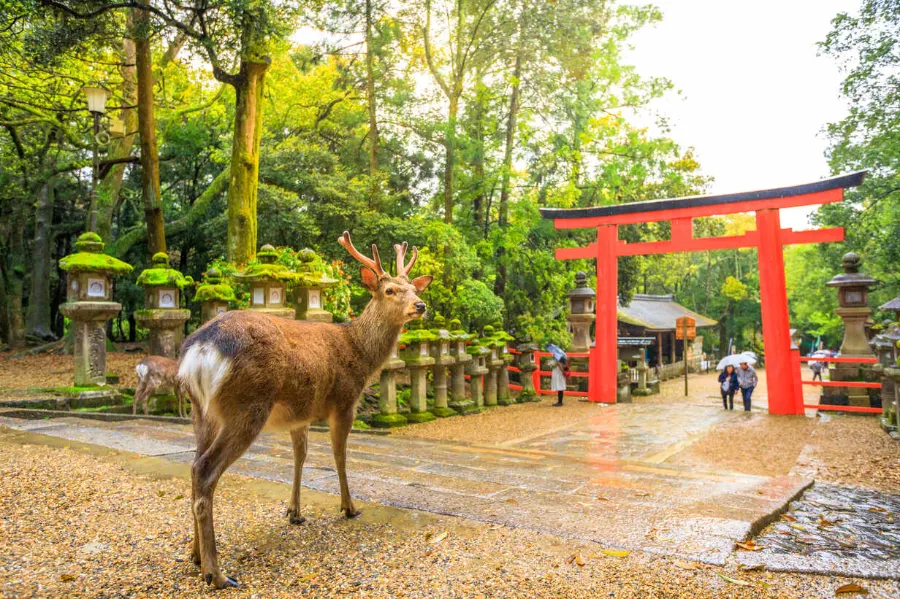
<point x="96" y="103"/>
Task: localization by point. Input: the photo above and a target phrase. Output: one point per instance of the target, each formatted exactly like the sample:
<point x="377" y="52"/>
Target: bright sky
<point x="754" y="94"/>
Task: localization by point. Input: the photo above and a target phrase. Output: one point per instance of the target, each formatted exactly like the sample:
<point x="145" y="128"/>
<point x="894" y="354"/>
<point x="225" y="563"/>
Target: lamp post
<point x="96" y="103"/>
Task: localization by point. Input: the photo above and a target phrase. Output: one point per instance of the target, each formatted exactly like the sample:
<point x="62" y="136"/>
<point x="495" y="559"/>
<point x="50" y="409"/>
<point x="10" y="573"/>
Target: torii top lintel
<point x="825" y="191"/>
<point x="681" y="211"/>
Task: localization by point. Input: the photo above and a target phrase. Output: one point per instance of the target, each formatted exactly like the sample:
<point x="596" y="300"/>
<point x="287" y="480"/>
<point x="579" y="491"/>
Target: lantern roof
<point x="581" y="288"/>
<point x="213" y="288"/>
<point x="307" y="277"/>
<point x="265" y="269"/>
<point x="457" y="333"/>
<point x="89" y="257"/>
<point x="851" y="277"/>
<point x="894" y="305"/>
<point x="161" y="275"/>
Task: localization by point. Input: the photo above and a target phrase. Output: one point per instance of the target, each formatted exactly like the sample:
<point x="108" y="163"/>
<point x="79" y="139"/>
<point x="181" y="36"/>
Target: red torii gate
<point x="785" y="394"/>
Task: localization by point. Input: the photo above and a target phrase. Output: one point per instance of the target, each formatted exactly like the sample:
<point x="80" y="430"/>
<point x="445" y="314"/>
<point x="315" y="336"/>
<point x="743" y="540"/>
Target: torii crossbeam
<point x="784" y="394"/>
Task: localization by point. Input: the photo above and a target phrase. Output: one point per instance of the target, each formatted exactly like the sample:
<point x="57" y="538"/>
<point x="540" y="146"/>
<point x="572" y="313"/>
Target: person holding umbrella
<point x="729" y="381"/>
<point x="559" y="367"/>
<point x="748" y="380"/>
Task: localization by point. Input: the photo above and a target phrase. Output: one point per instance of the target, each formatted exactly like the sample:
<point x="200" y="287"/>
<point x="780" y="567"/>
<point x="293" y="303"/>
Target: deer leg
<point x="339" y="425"/>
<point x="204" y="432"/>
<point x="300" y="438"/>
<point x="229" y="444"/>
<point x="140" y="394"/>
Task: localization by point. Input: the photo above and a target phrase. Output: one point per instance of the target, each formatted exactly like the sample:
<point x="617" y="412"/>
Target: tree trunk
<point x="15" y="279"/>
<point x="370" y="93"/>
<point x="119" y="147"/>
<point x="503" y="220"/>
<point x="450" y="147"/>
<point x="244" y="182"/>
<point x="156" y="232"/>
<point x="37" y="320"/>
<point x="478" y="203"/>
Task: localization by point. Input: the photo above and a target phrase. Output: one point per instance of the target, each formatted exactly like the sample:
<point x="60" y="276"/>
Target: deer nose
<point x="420" y="307"/>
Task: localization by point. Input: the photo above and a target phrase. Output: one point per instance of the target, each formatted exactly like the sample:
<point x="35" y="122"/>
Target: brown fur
<point x="287" y="374"/>
<point x="161" y="372"/>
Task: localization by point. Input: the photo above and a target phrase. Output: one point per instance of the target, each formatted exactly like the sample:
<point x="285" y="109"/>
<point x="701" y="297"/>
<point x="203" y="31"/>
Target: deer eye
<point x="390" y="291"/>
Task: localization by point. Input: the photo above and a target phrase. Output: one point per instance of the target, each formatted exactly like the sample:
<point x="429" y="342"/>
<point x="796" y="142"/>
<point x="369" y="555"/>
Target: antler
<point x="374" y="265"/>
<point x="403" y="270"/>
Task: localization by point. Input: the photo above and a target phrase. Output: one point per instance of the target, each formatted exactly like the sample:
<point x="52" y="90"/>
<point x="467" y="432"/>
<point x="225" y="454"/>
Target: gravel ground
<point x="58" y="370"/>
<point x="89" y="523"/>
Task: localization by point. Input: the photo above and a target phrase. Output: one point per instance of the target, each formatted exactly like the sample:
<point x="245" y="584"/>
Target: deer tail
<point x="202" y="371"/>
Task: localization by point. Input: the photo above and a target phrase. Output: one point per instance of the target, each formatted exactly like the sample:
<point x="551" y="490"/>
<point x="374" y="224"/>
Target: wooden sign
<point x="685" y="325"/>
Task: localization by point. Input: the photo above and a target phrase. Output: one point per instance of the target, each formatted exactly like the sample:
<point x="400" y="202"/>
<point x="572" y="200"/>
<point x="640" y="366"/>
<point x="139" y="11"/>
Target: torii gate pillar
<point x="603" y="365"/>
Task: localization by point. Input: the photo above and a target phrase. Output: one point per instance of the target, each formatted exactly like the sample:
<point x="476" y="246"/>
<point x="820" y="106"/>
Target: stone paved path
<point x="603" y="479"/>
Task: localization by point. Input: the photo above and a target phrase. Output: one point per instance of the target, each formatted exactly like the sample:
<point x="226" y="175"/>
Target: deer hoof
<point x="222" y="582"/>
<point x="351" y="513"/>
<point x="195" y="557"/>
<point x="294" y="516"/>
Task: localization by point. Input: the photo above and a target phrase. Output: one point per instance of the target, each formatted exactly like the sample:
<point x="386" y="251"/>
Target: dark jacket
<point x="734" y="381"/>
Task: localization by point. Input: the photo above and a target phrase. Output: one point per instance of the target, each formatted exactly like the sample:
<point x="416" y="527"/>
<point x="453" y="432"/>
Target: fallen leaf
<point x="160" y="493"/>
<point x="510" y="501"/>
<point x="825" y="522"/>
<point x="642" y="494"/>
<point x="437" y="538"/>
<point x="602" y="499"/>
<point x="179" y="497"/>
<point x="578" y="559"/>
<point x="66" y="578"/>
<point x="743" y="583"/>
<point x="851" y="588"/>
<point x="753" y="568"/>
<point x="688" y="565"/>
<point x="788" y="517"/>
<point x="615" y="552"/>
<point x="880" y="510"/>
<point x="749" y="545"/>
<point x="798" y="527"/>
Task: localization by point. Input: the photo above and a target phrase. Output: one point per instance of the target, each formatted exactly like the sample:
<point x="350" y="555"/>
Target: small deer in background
<point x="154" y="373"/>
<point x="246" y="371"/>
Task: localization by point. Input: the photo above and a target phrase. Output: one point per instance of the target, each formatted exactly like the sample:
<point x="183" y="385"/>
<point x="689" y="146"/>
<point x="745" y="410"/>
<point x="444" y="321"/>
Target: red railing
<point x="537" y="374"/>
<point x="846" y="384"/>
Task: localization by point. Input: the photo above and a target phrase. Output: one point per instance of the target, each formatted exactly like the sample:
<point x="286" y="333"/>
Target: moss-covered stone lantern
<point x="494" y="363"/>
<point x="417" y="355"/>
<point x="581" y="313"/>
<point x="458" y="338"/>
<point x="440" y="351"/>
<point x="388" y="416"/>
<point x="477" y="369"/>
<point x="503" y="339"/>
<point x="527" y="364"/>
<point x="89" y="305"/>
<point x="214" y="295"/>
<point x="309" y="290"/>
<point x="162" y="313"/>
<point x="268" y="283"/>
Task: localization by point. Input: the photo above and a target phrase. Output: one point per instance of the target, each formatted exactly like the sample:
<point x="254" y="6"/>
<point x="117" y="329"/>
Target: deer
<point x="248" y="371"/>
<point x="153" y="373"/>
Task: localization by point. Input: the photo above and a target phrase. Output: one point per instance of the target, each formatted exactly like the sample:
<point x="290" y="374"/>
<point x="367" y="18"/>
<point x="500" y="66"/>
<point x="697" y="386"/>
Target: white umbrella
<point x="735" y="360"/>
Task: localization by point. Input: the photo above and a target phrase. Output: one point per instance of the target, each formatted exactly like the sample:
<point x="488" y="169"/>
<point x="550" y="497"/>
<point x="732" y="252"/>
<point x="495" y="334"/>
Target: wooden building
<point x="654" y="316"/>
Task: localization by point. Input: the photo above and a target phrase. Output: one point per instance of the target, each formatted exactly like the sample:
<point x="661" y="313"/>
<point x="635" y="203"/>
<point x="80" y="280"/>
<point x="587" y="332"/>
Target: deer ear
<point x="420" y="283"/>
<point x="369" y="279"/>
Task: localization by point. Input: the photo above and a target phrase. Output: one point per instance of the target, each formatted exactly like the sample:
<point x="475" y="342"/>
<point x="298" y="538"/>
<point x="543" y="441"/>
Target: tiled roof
<point x="658" y="313"/>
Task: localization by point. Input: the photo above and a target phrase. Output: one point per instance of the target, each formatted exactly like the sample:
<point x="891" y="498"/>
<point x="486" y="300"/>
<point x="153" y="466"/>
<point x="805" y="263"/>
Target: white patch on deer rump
<point x="141" y="370"/>
<point x="203" y="369"/>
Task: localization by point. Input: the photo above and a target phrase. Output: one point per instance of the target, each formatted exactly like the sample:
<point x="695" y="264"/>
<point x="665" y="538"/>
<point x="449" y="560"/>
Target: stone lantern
<point x="309" y="288"/>
<point x="388" y="416"/>
<point x="417" y="355"/>
<point x="581" y="313"/>
<point x="89" y="305"/>
<point x="213" y="295"/>
<point x="493" y="363"/>
<point x="440" y="351"/>
<point x="476" y="369"/>
<point x="162" y="312"/>
<point x="503" y="340"/>
<point x="853" y="297"/>
<point x="886" y="350"/>
<point x="458" y="400"/>
<point x="892" y="306"/>
<point x="527" y="365"/>
<point x="268" y="283"/>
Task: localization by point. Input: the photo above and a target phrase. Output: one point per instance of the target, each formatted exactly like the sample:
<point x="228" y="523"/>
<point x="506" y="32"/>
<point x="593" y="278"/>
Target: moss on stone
<point x="417" y="336"/>
<point x="444" y="412"/>
<point x="419" y="417"/>
<point x="389" y="420"/>
<point x="94" y="262"/>
<point x="160" y="275"/>
<point x="221" y="292"/>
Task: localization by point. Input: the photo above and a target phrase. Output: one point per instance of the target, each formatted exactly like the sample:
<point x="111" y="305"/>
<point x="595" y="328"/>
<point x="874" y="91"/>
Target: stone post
<point x="418" y="360"/>
<point x="527" y="366"/>
<point x="268" y="283"/>
<point x="309" y="290"/>
<point x="458" y="401"/>
<point x="493" y="363"/>
<point x="503" y="339"/>
<point x="213" y="295"/>
<point x="853" y="290"/>
<point x="440" y="351"/>
<point x="89" y="305"/>
<point x="476" y="369"/>
<point x="388" y="416"/>
<point x="891" y="418"/>
<point x="643" y="371"/>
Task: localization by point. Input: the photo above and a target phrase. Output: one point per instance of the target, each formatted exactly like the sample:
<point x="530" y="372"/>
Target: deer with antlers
<point x="247" y="371"/>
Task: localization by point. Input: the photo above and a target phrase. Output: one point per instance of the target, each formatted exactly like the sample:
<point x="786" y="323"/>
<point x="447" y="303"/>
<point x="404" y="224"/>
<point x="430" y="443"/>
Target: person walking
<point x="747" y="380"/>
<point x="817" y="368"/>
<point x="728" y="379"/>
<point x="559" y="371"/>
